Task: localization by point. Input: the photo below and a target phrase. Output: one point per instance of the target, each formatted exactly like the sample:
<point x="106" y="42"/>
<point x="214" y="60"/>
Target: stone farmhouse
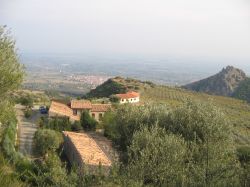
<point x="87" y="152"/>
<point x="76" y="107"/>
<point x="129" y="97"/>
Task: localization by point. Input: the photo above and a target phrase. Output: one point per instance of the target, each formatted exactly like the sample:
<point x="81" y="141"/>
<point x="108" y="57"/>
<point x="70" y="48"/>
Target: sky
<point x="198" y="28"/>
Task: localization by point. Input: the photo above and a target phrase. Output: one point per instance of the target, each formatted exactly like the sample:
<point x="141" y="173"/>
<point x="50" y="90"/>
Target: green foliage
<point x="109" y="126"/>
<point x="114" y="99"/>
<point x="59" y="124"/>
<point x="243" y="153"/>
<point x="8" y="176"/>
<point x="88" y="123"/>
<point x="8" y="142"/>
<point x="211" y="150"/>
<point x="108" y="88"/>
<point x="157" y="157"/>
<point x="7" y="113"/>
<point x="121" y="125"/>
<point x="76" y="126"/>
<point x="243" y="90"/>
<point x="27" y="113"/>
<point x="209" y="137"/>
<point x="26" y="101"/>
<point x="10" y="70"/>
<point x="236" y="111"/>
<point x="47" y="140"/>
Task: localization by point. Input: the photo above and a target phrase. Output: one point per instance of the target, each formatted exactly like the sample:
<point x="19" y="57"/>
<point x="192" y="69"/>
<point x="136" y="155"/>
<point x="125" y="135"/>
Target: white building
<point x="129" y="97"/>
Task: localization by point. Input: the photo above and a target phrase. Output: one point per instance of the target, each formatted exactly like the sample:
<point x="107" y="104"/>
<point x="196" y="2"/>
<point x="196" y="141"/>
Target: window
<point x="75" y="112"/>
<point x="100" y="115"/>
<point x="122" y="100"/>
<point x="93" y="115"/>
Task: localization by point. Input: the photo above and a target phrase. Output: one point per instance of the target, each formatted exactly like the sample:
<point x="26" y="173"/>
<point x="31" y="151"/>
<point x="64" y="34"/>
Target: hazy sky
<point x="212" y="28"/>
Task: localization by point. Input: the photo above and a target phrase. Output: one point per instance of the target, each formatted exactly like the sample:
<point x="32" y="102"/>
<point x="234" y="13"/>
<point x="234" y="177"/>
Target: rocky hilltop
<point x="223" y="83"/>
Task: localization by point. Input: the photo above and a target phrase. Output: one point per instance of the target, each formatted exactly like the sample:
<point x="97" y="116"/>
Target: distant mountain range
<point x="230" y="81"/>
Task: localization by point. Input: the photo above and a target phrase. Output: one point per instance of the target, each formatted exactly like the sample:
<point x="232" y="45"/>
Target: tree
<point x="11" y="70"/>
<point x="87" y="122"/>
<point x="127" y="120"/>
<point x="46" y="140"/>
<point x="27" y="101"/>
<point x="210" y="140"/>
<point x="157" y="157"/>
<point x="11" y="73"/>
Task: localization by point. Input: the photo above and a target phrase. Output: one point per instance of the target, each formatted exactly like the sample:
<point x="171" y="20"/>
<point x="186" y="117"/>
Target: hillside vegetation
<point x="237" y="111"/>
<point x="243" y="91"/>
<point x="230" y="81"/>
<point x="118" y="85"/>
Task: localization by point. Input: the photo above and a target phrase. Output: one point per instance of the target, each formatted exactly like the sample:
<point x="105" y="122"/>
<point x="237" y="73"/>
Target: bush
<point x="26" y="101"/>
<point x="8" y="142"/>
<point x="212" y="159"/>
<point x="114" y="99"/>
<point x="27" y="113"/>
<point x="76" y="126"/>
<point x="157" y="158"/>
<point x="58" y="124"/>
<point x="46" y="140"/>
<point x="127" y="119"/>
<point x="243" y="153"/>
<point x="88" y="123"/>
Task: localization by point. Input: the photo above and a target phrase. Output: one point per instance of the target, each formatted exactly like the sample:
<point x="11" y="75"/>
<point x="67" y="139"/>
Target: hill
<point x="117" y="85"/>
<point x="243" y="90"/>
<point x="237" y="111"/>
<point x="223" y="83"/>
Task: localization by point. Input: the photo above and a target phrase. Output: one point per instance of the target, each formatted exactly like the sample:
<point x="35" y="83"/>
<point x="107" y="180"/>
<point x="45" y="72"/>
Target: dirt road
<point x="26" y="130"/>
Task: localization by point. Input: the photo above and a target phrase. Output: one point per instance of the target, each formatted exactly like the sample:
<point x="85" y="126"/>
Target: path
<point x="26" y="129"/>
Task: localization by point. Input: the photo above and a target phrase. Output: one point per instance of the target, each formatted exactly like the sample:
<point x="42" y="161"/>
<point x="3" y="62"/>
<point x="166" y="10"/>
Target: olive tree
<point x="157" y="157"/>
<point x="210" y="140"/>
<point x="47" y="140"/>
<point x="11" y="70"/>
<point x="11" y="74"/>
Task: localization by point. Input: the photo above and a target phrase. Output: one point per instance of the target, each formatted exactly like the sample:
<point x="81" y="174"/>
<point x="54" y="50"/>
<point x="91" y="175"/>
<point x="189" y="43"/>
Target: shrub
<point x="59" y="124"/>
<point x="46" y="140"/>
<point x="8" y="142"/>
<point x="88" y="123"/>
<point x="27" y="113"/>
<point x="127" y="119"/>
<point x="114" y="99"/>
<point x="26" y="101"/>
<point x="243" y="153"/>
<point x="76" y="126"/>
<point x="157" y="157"/>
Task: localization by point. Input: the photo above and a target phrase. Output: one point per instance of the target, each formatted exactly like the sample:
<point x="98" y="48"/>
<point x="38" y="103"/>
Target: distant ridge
<point x="224" y="83"/>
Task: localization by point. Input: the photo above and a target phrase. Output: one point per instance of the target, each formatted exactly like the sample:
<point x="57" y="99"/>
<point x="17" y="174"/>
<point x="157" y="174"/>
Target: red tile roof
<point x="81" y="104"/>
<point x="100" y="107"/>
<point x="62" y="110"/>
<point x="128" y="95"/>
<point x="88" y="149"/>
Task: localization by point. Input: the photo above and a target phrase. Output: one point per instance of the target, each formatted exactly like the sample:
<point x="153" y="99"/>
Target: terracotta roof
<point x="88" y="149"/>
<point x="100" y="107"/>
<point x="81" y="104"/>
<point x="62" y="110"/>
<point x="128" y="95"/>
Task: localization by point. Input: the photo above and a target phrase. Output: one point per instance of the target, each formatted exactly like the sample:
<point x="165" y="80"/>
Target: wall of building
<point x="76" y="160"/>
<point x="72" y="154"/>
<point x="130" y="100"/>
<point x="97" y="115"/>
